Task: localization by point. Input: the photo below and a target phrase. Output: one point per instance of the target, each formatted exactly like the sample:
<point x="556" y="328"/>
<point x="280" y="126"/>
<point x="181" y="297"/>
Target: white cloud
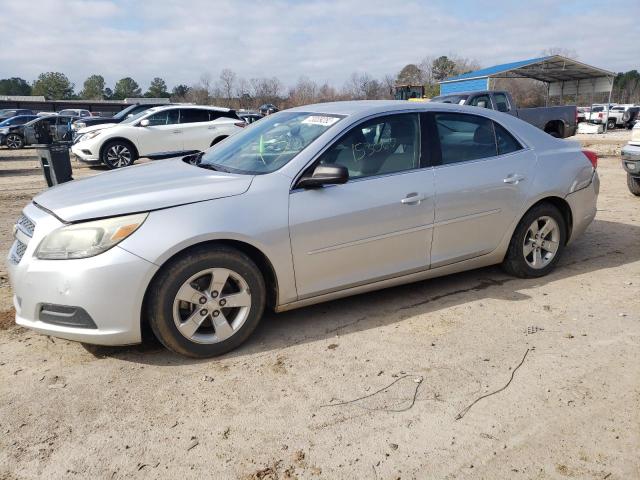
<point x="325" y="40"/>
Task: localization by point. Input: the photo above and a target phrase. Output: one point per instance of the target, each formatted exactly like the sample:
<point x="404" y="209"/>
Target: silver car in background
<point x="304" y="206"/>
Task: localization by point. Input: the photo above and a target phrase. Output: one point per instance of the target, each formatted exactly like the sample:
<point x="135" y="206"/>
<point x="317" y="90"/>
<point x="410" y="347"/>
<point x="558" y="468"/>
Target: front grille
<point x="17" y="251"/>
<point x="26" y="225"/>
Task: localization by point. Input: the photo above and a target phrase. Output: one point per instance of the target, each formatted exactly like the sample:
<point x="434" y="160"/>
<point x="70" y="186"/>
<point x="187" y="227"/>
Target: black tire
<point x="611" y="124"/>
<point x="172" y="277"/>
<point x="14" y="141"/>
<point x="118" y="154"/>
<point x="515" y="262"/>
<point x="217" y="140"/>
<point x="634" y="185"/>
<point x="554" y="134"/>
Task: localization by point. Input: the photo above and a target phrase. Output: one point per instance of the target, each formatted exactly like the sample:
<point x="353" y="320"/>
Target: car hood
<point x="100" y="126"/>
<point x="140" y="188"/>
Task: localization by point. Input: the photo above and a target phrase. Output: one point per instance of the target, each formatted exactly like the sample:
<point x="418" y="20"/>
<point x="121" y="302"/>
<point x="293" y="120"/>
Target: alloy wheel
<point x="541" y="242"/>
<point x="14" y="141"/>
<point x="119" y="156"/>
<point x="211" y="305"/>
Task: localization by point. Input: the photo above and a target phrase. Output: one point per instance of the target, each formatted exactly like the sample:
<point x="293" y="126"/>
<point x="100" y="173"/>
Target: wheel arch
<point x="218" y="139"/>
<point x="555" y="126"/>
<point x="119" y="139"/>
<point x="255" y="254"/>
<point x="562" y="205"/>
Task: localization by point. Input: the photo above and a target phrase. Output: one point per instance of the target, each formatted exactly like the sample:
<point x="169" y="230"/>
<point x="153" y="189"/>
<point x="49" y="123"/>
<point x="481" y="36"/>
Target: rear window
<point x="455" y="99"/>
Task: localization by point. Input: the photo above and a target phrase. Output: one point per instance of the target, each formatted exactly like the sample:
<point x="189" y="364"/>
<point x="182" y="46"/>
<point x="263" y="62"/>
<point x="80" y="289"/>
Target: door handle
<point x="212" y="127"/>
<point x="413" y="199"/>
<point x="514" y="178"/>
<point x="177" y="131"/>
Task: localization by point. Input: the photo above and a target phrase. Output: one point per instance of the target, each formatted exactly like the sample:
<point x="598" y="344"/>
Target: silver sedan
<point x="304" y="206"/>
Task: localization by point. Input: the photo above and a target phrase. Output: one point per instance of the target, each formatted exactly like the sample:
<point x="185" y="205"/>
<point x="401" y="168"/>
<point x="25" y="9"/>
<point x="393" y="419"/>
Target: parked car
<point x="616" y="114"/>
<point x="631" y="160"/>
<point x="128" y="112"/>
<point x="558" y="122"/>
<point x="75" y="112"/>
<point x="250" y="117"/>
<point x="58" y="128"/>
<point x="156" y="130"/>
<point x="583" y="113"/>
<point x="352" y="196"/>
<point x="599" y="115"/>
<point x="268" y="109"/>
<point x="14" y="112"/>
<point x="6" y="137"/>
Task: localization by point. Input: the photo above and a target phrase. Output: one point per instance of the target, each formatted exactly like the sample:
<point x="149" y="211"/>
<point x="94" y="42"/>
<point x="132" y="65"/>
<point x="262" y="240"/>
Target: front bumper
<point x="583" y="204"/>
<point x="109" y="288"/>
<point x="86" y="152"/>
<point x="631" y="159"/>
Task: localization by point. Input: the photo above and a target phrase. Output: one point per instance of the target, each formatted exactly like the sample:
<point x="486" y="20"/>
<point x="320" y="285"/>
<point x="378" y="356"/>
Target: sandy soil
<point x="277" y="407"/>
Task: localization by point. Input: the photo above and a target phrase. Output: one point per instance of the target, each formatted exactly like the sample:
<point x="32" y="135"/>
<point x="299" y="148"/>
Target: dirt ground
<point x="374" y="386"/>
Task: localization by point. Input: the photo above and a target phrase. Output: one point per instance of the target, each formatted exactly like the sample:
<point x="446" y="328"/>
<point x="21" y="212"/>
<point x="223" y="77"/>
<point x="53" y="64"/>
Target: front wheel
<point x="207" y="302"/>
<point x="14" y="141"/>
<point x="537" y="243"/>
<point x="118" y="154"/>
<point x="634" y="185"/>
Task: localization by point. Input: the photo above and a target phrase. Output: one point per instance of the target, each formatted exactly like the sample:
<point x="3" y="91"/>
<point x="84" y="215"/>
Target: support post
<point x="608" y="103"/>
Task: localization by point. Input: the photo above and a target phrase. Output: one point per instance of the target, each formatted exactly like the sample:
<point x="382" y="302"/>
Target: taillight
<point x="600" y="115"/>
<point x="240" y="124"/>
<point x="592" y="156"/>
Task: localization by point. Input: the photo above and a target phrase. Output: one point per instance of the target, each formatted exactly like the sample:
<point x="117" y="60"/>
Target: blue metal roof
<point x="486" y="72"/>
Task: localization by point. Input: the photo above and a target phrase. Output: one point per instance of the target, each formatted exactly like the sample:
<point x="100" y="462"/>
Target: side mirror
<point x="324" y="175"/>
<point x="144" y="123"/>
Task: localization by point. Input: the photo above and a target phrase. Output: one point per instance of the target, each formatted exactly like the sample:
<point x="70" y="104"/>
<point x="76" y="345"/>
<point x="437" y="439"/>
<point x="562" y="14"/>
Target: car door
<point x="481" y="183"/>
<point x="63" y="127"/>
<point x="375" y="226"/>
<point x="163" y="134"/>
<point x="196" y="128"/>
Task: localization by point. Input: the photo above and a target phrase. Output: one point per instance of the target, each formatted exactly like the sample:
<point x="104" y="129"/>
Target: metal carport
<point x="562" y="75"/>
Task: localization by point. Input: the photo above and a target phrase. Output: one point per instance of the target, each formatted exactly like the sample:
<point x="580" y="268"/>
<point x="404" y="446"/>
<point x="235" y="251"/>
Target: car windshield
<point x="125" y="112"/>
<point x="269" y="144"/>
<point x="135" y="117"/>
<point x="597" y="109"/>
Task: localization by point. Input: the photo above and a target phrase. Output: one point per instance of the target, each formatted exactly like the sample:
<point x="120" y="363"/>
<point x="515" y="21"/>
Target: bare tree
<point x="266" y="90"/>
<point x="227" y="84"/>
<point x="303" y="93"/>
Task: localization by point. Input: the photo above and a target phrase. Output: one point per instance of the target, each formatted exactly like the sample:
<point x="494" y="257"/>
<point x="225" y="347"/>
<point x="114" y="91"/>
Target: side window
<point x="482" y="101"/>
<point x="379" y="146"/>
<point x="193" y="115"/>
<point x="64" y="120"/>
<point x="167" y="117"/>
<point x="502" y="102"/>
<point x="506" y="142"/>
<point x="464" y="137"/>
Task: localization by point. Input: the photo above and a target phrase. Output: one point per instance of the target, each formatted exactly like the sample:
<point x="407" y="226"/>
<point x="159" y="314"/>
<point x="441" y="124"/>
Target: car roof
<point x="202" y="107"/>
<point x="372" y="107"/>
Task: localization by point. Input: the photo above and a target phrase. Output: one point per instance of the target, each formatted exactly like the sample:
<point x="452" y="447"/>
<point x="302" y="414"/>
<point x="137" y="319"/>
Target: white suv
<point x="156" y="131"/>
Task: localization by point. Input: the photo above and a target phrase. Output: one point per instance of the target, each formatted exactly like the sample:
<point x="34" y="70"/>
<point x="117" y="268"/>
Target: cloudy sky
<point x="326" y="40"/>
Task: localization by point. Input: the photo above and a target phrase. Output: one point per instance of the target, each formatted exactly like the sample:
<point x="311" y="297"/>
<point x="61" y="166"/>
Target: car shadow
<point x="599" y="248"/>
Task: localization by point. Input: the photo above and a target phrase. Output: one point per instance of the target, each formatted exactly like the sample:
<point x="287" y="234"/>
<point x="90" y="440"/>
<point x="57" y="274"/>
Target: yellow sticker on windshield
<point x="323" y="120"/>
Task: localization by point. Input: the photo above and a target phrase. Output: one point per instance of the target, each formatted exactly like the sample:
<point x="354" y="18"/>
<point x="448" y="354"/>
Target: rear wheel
<point x="14" y="141"/>
<point x="537" y="243"/>
<point x="207" y="302"/>
<point x="611" y="124"/>
<point x="634" y="185"/>
<point x="118" y="154"/>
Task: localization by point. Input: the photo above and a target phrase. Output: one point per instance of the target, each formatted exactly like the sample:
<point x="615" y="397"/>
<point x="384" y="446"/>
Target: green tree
<point x="442" y="68"/>
<point x="180" y="91"/>
<point x="53" y="85"/>
<point x="14" y="86"/>
<point x="157" y="89"/>
<point x="126" y="88"/>
<point x="93" y="88"/>
<point x="410" y="75"/>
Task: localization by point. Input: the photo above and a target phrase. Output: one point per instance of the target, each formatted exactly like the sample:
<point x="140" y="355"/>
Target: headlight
<point x="78" y="125"/>
<point x="87" y="239"/>
<point x="90" y="135"/>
